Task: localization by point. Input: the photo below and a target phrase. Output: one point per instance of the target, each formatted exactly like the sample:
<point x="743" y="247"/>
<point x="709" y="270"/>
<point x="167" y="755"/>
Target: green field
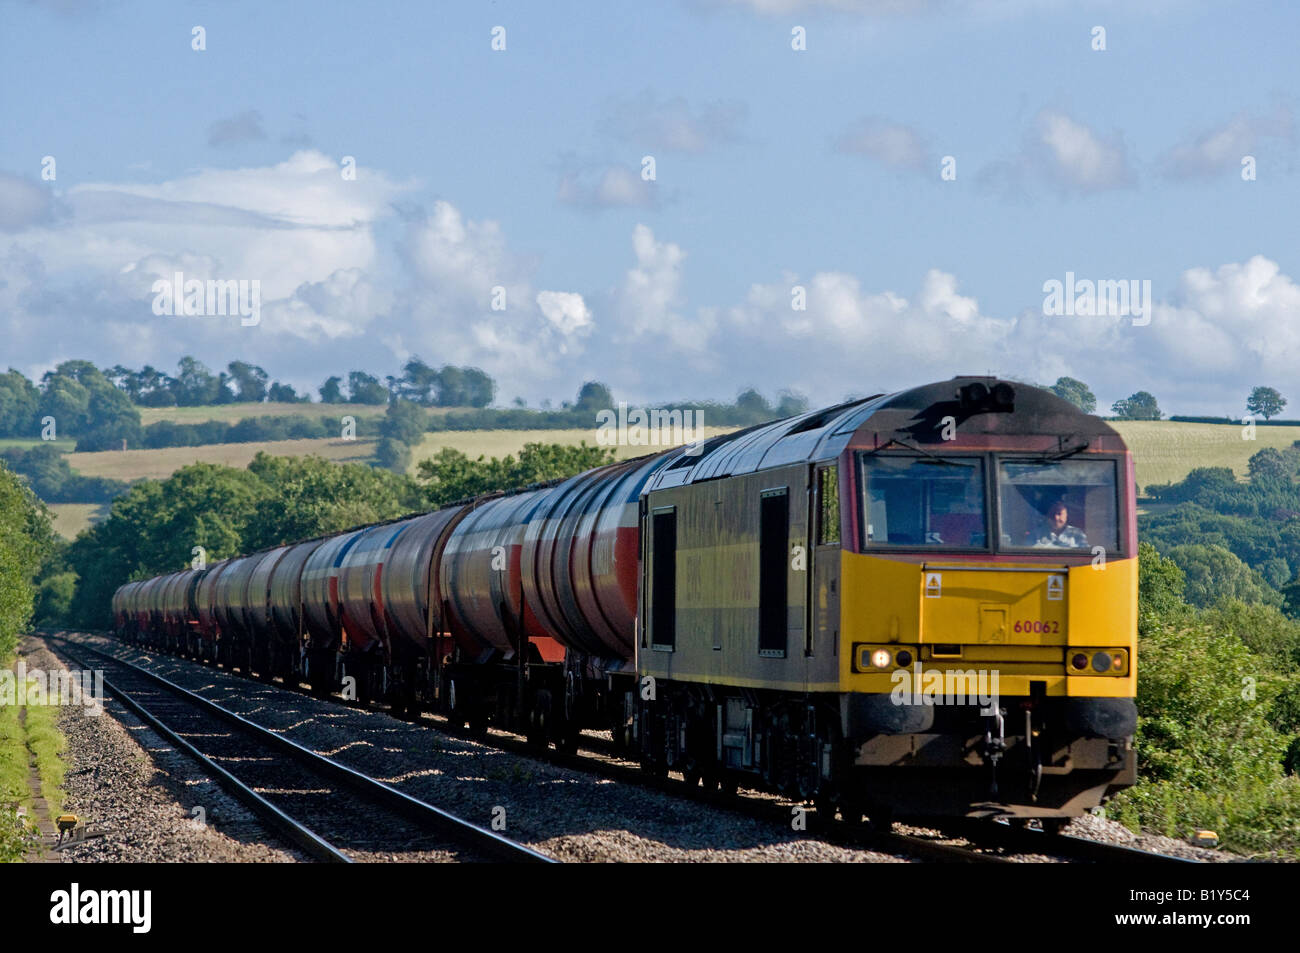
<point x="498" y="443"/>
<point x="233" y="413"/>
<point x="158" y="464"/>
<point x="1165" y="451"/>
<point x="71" y="518"/>
<point x="63" y="443"/>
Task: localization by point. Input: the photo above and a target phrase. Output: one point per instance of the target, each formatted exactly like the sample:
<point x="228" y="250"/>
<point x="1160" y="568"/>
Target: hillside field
<point x="1166" y="451"/>
<point x="71" y="518"/>
<point x="158" y="464"/>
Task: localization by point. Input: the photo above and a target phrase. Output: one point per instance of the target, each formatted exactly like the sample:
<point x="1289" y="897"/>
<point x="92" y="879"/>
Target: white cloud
<point x="342" y="290"/>
<point x="610" y="186"/>
<point x="892" y="143"/>
<point x="566" y="310"/>
<point x="1078" y="158"/>
<point x="23" y="203"/>
<point x="1222" y="148"/>
<point x="671" y="125"/>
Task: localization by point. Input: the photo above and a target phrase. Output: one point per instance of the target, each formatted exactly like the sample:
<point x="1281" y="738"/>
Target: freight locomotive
<point x="917" y="603"/>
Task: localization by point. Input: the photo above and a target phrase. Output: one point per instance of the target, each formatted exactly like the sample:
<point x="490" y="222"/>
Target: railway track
<point x="951" y="842"/>
<point x="329" y="811"/>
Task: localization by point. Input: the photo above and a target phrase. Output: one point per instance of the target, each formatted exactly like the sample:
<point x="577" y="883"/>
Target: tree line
<point x="1264" y="402"/>
<point x="99" y="407"/>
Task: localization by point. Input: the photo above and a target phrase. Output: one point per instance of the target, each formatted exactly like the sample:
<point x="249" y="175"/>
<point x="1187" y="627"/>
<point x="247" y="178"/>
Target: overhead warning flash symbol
<point x="1055" y="588"/>
<point x="933" y="585"/>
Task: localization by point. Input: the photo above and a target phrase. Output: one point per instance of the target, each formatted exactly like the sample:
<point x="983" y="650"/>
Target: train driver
<point x="1059" y="532"/>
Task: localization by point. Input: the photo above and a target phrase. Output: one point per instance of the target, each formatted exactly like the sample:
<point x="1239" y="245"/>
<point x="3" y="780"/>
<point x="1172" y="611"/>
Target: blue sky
<point x="775" y="168"/>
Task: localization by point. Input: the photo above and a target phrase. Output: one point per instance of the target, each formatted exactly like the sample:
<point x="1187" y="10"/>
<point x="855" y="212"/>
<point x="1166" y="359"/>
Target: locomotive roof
<point x="913" y="415"/>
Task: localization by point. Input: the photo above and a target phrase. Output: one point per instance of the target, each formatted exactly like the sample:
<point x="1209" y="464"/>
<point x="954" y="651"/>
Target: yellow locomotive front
<point x="987" y="605"/>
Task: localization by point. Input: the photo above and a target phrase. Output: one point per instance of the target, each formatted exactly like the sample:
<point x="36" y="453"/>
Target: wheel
<point x="567" y="743"/>
<point x="880" y="818"/>
<point x="692" y="774"/>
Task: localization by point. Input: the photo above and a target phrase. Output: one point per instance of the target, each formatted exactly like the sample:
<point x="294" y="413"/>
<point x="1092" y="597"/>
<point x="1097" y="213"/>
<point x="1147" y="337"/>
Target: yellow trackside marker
<point x="1205" y="839"/>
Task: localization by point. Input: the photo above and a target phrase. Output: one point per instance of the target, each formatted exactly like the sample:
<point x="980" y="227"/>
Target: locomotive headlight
<point x="1107" y="661"/>
<point x="903" y="659"/>
<point x="881" y="658"/>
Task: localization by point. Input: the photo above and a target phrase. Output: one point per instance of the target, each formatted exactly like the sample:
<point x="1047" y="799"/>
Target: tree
<point x="250" y="381"/>
<point x="1270" y="464"/>
<point x="310" y="496"/>
<point x="478" y="388"/>
<point x="67" y="401"/>
<point x="83" y="372"/>
<point x="19" y="406"/>
<point x="284" y="394"/>
<point x="1076" y="392"/>
<point x="791" y="403"/>
<point x="154" y="527"/>
<point x="330" y="391"/>
<point x="125" y="380"/>
<point x="451" y="475"/>
<point x="393" y="455"/>
<point x="113" y="421"/>
<point x="195" y="385"/>
<point x="404" y="422"/>
<point x="417" y="382"/>
<point x="364" y="388"/>
<point x="447" y="386"/>
<point x="156" y="388"/>
<point x="1265" y="402"/>
<point x="593" y="397"/>
<point x="1161" y="585"/>
<point x="754" y="405"/>
<point x="1140" y="406"/>
<point x="25" y="537"/>
<point x="1214" y="573"/>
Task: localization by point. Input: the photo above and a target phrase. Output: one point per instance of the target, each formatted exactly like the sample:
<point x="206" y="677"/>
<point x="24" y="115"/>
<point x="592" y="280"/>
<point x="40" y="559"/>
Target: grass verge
<point x="39" y="737"/>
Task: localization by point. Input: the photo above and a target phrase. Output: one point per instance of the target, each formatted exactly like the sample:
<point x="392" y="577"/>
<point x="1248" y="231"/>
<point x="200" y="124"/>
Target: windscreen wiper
<point x="1064" y="452"/>
<point x="932" y="461"/>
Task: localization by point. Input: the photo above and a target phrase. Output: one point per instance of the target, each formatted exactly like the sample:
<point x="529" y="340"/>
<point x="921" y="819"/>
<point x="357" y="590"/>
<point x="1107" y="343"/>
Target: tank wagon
<point x="919" y="603"/>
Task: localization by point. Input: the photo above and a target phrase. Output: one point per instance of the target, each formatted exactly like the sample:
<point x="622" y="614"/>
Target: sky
<point x="668" y="197"/>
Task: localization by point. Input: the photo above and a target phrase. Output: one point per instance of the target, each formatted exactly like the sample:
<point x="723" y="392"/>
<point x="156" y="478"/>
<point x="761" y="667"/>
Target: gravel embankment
<point x="136" y="794"/>
<point x="571" y="815"/>
<point x="1113" y="832"/>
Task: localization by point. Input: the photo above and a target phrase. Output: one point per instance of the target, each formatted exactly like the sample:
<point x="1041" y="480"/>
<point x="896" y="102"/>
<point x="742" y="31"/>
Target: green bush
<point x="1218" y="710"/>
